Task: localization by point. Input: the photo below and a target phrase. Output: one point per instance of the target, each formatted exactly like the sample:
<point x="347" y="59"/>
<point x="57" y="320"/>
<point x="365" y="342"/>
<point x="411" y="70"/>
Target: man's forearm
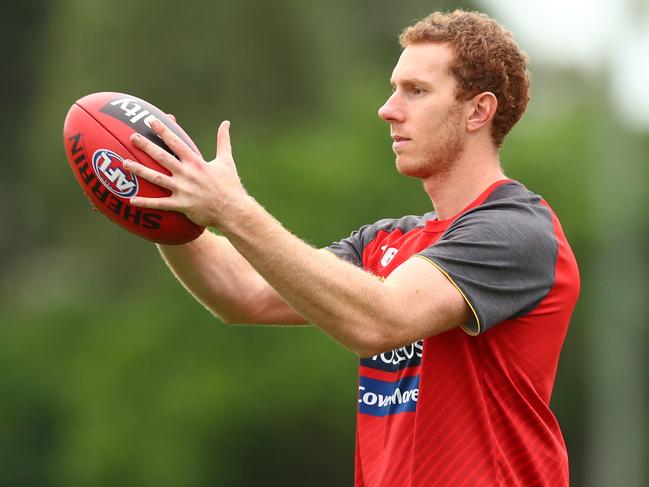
<point x="344" y="301"/>
<point x="224" y="282"/>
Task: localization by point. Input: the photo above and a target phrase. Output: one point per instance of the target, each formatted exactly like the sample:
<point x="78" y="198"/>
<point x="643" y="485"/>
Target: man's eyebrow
<point x="409" y="82"/>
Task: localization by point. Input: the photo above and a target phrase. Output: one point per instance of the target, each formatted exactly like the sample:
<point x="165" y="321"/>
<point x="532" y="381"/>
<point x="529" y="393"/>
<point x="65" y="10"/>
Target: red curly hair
<point x="486" y="59"/>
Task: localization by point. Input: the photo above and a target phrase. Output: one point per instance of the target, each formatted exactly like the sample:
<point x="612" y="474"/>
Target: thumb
<point x="223" y="148"/>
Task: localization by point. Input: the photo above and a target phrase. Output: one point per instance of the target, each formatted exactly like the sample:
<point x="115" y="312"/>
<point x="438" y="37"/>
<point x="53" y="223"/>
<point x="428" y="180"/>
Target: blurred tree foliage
<point x="112" y="374"/>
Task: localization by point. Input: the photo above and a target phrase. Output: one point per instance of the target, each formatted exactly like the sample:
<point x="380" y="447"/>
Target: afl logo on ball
<point x="108" y="168"/>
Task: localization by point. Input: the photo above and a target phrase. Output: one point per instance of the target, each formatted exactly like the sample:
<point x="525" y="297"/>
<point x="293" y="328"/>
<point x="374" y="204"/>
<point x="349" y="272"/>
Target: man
<point x="458" y="315"/>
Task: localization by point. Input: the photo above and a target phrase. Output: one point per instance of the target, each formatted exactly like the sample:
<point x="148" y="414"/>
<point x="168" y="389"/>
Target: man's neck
<point x="471" y="175"/>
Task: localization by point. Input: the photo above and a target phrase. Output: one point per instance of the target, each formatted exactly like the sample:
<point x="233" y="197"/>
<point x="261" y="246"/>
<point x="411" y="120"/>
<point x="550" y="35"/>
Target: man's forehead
<point x="426" y="61"/>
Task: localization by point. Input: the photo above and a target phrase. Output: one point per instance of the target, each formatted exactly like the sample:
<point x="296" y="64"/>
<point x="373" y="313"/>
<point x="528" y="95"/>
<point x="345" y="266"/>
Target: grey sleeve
<point x="502" y="257"/>
<point x="351" y="248"/>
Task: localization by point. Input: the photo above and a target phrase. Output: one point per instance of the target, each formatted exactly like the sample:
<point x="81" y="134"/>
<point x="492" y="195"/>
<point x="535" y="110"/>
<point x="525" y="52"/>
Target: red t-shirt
<point x="470" y="407"/>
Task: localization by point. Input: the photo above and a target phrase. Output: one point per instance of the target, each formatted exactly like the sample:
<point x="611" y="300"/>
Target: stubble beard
<point x="440" y="159"/>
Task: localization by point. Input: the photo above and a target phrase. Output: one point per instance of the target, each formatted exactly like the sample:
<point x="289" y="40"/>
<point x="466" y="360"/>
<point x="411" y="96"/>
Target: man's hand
<point x="205" y="192"/>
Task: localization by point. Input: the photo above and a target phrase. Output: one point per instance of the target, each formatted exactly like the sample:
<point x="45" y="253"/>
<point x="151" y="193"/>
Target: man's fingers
<point x="165" y="203"/>
<point x="156" y="152"/>
<point x="175" y="143"/>
<point x="223" y="148"/>
<point x="156" y="177"/>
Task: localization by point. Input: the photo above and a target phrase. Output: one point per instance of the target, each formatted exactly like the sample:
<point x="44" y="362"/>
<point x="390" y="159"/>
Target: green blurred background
<point x="110" y="373"/>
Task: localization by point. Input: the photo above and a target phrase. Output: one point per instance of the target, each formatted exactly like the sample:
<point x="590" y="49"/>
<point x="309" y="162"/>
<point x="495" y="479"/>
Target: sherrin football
<point x="96" y="135"/>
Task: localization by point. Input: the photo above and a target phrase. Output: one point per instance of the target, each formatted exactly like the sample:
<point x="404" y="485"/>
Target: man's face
<point x="426" y="121"/>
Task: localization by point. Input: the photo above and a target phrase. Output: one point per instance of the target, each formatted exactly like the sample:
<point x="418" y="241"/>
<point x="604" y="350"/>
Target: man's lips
<point x="399" y="142"/>
<point x="399" y="138"/>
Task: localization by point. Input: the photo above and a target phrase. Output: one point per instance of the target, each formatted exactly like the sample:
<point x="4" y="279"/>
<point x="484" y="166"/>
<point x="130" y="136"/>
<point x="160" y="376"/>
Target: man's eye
<point x="416" y="90"/>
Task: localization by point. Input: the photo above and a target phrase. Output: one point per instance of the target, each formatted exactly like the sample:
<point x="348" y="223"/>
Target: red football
<point x="96" y="134"/>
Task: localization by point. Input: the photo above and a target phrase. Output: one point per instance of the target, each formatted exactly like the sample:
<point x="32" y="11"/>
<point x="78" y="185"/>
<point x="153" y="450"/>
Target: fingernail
<point x="125" y="164"/>
<point x="136" y="137"/>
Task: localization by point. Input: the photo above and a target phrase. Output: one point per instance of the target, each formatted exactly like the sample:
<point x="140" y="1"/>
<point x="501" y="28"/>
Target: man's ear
<point x="484" y="107"/>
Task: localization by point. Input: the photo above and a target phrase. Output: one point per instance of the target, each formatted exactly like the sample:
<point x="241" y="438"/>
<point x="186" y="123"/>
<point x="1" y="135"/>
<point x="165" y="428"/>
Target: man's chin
<point x="412" y="168"/>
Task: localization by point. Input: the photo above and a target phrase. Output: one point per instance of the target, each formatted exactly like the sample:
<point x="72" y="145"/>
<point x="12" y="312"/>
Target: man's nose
<point x="390" y="111"/>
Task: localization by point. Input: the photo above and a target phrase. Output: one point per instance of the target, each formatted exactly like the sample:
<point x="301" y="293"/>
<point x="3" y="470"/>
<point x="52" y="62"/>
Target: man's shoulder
<point x="515" y="193"/>
<point x="511" y="204"/>
<point x="511" y="222"/>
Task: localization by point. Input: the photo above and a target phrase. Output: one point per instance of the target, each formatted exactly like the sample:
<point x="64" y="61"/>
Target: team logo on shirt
<point x="385" y="397"/>
<point x="388" y="255"/>
<point x="382" y="398"/>
<point x="397" y="359"/>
